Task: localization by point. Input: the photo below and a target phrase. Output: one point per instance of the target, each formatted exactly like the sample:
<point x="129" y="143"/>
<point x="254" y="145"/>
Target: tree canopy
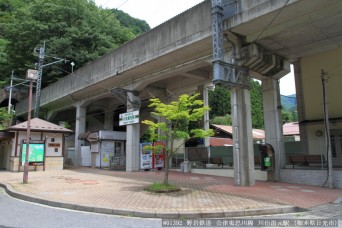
<point x="76" y="30"/>
<point x="220" y="105"/>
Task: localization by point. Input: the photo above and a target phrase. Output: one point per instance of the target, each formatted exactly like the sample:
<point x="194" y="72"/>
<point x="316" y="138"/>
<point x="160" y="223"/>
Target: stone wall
<point x="51" y="163"/>
<point x="309" y="177"/>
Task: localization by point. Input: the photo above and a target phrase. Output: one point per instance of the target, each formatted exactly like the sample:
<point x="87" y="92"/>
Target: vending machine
<point x="145" y="156"/>
<point x="158" y="156"/>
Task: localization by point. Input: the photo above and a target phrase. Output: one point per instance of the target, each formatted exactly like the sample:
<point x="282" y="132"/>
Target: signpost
<point x="129" y="118"/>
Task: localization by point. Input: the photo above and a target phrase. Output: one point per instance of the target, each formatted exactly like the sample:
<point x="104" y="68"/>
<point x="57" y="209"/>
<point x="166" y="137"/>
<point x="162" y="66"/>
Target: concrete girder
<point x="168" y="73"/>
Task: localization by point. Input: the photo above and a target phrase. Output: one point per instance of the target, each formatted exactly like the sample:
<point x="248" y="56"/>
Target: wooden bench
<point x="257" y="160"/>
<point x="297" y="160"/>
<point x="315" y="159"/>
<point x="218" y="161"/>
<point x="306" y="159"/>
<point x="177" y="161"/>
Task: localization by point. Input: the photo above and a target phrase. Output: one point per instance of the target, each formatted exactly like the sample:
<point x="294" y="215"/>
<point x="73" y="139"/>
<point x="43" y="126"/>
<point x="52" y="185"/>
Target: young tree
<point x="5" y="118"/>
<point x="175" y="126"/>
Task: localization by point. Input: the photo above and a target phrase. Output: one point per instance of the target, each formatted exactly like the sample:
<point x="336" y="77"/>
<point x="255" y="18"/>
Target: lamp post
<point x="10" y="94"/>
<point x="31" y="75"/>
<point x="72" y="67"/>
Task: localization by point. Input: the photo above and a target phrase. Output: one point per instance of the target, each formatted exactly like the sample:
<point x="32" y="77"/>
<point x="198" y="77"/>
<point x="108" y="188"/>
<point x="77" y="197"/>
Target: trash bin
<point x="182" y="167"/>
<point x="186" y="167"/>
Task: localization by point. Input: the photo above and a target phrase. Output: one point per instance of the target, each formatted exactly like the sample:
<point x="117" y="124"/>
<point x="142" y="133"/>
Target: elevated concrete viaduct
<point x="220" y="41"/>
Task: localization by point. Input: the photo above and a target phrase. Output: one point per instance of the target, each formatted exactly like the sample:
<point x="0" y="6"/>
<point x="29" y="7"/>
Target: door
<point x="120" y="153"/>
<point x="118" y="157"/>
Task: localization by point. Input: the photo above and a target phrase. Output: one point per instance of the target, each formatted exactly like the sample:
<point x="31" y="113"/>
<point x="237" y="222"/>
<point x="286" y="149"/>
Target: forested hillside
<point x="289" y="102"/>
<point x="76" y="30"/>
<point x="220" y="106"/>
<point x="289" y="108"/>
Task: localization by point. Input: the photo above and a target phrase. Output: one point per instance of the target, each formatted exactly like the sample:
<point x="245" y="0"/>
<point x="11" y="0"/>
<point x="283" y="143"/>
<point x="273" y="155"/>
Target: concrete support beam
<point x="79" y="128"/>
<point x="132" y="141"/>
<point x="273" y="122"/>
<point x="243" y="152"/>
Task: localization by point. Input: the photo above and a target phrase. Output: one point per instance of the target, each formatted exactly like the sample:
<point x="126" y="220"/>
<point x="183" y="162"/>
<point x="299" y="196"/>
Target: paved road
<point x="18" y="213"/>
<point x="122" y="193"/>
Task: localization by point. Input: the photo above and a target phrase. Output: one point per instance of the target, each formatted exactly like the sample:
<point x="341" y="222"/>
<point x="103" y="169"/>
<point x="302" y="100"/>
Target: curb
<point x="152" y="214"/>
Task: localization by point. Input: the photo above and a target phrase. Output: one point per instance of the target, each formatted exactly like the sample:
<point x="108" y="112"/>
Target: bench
<point x="315" y="159"/>
<point x="257" y="160"/>
<point x="306" y="159"/>
<point x="218" y="161"/>
<point x="177" y="161"/>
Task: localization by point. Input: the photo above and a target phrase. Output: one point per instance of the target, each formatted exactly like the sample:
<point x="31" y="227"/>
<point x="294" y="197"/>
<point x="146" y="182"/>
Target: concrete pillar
<point x="206" y="119"/>
<point x="108" y="120"/>
<point x="79" y="128"/>
<point x="243" y="152"/>
<point x="273" y="122"/>
<point x="297" y="70"/>
<point x="132" y="141"/>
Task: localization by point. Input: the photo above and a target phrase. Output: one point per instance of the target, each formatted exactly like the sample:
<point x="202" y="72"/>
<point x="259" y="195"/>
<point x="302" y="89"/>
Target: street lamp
<point x="72" y="67"/>
<point x="31" y="75"/>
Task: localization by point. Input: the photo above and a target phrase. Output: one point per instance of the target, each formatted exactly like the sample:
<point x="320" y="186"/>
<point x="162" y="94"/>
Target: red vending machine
<point x="158" y="156"/>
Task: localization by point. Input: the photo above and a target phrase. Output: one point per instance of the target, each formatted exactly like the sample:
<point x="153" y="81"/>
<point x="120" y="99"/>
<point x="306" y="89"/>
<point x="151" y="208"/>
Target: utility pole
<point x="10" y="88"/>
<point x="40" y="74"/>
<point x="32" y="76"/>
<point x="39" y="80"/>
<point x="327" y="131"/>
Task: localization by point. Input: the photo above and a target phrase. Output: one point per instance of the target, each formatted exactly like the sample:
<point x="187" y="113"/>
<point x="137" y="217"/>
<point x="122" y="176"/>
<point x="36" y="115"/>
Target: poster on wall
<point x="36" y="152"/>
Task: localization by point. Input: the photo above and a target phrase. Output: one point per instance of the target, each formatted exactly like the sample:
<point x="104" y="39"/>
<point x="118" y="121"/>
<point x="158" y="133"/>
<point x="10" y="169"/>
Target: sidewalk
<point x="121" y="193"/>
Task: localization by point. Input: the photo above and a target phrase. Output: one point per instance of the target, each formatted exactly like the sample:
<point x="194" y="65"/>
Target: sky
<point x="155" y="12"/>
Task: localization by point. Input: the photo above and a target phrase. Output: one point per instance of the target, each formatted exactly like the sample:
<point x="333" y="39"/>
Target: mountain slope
<point x="289" y="102"/>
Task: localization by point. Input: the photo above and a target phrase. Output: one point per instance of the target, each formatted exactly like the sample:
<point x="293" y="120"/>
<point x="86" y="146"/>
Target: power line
<point x="269" y="24"/>
<point x="107" y="15"/>
<point x="308" y="42"/>
<point x="121" y="4"/>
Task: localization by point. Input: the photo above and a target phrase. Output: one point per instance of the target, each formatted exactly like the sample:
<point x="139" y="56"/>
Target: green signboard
<point x="36" y="153"/>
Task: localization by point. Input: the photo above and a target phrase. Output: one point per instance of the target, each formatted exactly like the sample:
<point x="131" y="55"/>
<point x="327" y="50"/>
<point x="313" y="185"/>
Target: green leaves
<point x="177" y="116"/>
<point x="5" y="118"/>
<point x="257" y="105"/>
<point x="176" y="119"/>
<point x="76" y="30"/>
<point x="219" y="102"/>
